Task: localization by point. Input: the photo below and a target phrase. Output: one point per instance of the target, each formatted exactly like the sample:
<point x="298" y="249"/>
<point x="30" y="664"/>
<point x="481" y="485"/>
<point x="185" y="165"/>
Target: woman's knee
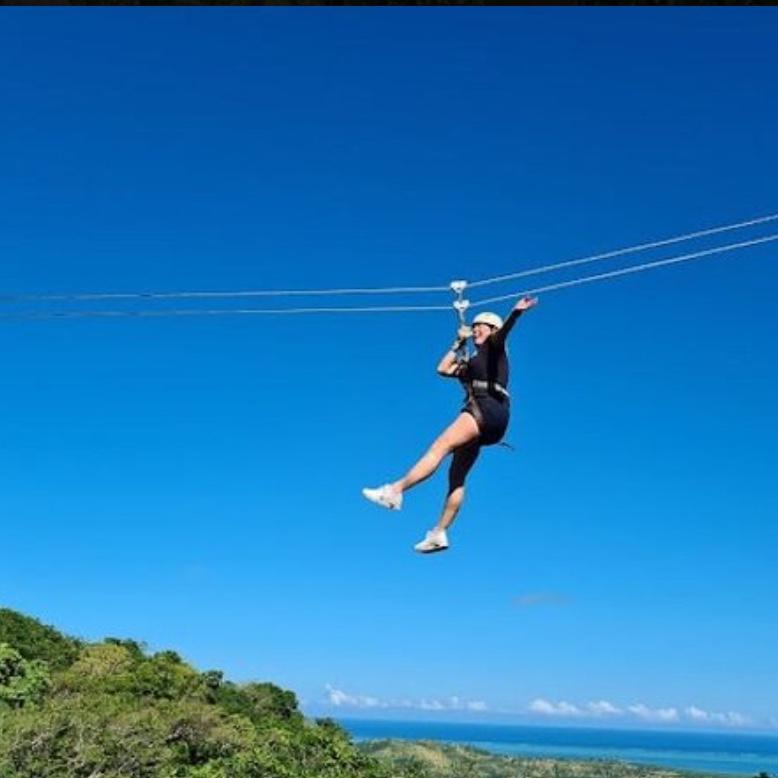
<point x="441" y="448"/>
<point x="456" y="496"/>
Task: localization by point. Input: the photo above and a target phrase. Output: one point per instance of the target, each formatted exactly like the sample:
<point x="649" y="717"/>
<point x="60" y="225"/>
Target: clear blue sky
<point x="196" y="482"/>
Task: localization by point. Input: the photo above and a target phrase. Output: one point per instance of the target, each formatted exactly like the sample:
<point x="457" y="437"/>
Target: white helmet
<point x="492" y="319"/>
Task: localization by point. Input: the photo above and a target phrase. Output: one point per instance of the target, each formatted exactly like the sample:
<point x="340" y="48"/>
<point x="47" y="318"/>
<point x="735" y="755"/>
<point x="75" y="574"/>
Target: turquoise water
<point x="726" y="753"/>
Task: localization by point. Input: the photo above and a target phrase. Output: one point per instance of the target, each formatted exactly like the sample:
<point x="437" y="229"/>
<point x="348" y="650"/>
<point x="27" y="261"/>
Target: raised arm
<point x="522" y="305"/>
<point x="448" y="367"/>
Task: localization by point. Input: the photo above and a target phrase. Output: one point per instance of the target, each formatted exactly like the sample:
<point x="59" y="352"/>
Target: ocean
<point x="724" y="753"/>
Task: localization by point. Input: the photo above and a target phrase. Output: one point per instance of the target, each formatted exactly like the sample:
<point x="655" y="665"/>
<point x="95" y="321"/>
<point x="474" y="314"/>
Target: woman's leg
<point x="461" y="464"/>
<point x="463" y="431"/>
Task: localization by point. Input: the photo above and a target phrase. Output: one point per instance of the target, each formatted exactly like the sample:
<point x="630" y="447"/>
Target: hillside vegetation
<point x="71" y="709"/>
<point x="74" y="709"/>
<point x="439" y="760"/>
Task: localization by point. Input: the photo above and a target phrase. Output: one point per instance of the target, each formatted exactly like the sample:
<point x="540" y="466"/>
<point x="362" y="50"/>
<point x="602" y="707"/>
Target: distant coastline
<point x="701" y="752"/>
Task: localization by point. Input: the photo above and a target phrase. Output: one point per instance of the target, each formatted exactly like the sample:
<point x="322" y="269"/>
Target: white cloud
<point x="562" y="708"/>
<point x="734" y="719"/>
<point x="542" y="706"/>
<point x="603" y="708"/>
<point x="728" y="719"/>
<point x="547" y="708"/>
<point x="337" y="697"/>
<point x="697" y="714"/>
<point x="664" y="715"/>
<point x="340" y="698"/>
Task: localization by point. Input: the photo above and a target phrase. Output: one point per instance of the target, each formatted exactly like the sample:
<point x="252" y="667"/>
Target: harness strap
<point x="489" y="386"/>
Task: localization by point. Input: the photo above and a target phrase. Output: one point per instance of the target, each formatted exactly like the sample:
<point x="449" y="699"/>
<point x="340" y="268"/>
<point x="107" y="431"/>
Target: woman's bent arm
<point x="448" y="367"/>
<point x="449" y="364"/>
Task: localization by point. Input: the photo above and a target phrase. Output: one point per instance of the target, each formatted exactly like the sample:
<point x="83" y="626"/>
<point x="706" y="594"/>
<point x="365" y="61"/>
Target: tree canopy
<point x="73" y="709"/>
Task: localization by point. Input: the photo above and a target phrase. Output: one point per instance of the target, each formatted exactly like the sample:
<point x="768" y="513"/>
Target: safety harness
<point x="473" y="388"/>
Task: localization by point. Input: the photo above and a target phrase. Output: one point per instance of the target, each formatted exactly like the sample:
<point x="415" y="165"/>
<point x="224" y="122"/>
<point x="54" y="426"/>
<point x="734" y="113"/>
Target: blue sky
<point x="195" y="482"/>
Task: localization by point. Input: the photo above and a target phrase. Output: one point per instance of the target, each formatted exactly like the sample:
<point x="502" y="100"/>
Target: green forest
<point x="110" y="709"/>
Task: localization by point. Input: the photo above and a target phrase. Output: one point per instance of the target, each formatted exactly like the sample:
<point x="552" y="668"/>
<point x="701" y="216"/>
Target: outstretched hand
<point x="464" y="332"/>
<point x="525" y="304"/>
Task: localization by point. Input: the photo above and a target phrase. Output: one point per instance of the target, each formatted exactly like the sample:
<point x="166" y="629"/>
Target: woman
<point x="482" y="422"/>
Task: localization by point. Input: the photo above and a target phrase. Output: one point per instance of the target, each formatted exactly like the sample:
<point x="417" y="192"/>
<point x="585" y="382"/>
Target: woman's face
<point x="481" y="332"/>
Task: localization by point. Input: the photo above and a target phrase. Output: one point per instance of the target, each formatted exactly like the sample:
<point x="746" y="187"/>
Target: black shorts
<point x="492" y="416"/>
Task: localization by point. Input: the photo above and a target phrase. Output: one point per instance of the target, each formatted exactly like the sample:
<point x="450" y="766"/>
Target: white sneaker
<point x="434" y="540"/>
<point x="385" y="496"/>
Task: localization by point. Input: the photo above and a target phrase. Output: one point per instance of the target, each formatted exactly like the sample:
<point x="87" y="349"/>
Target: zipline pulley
<point x="460" y="307"/>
